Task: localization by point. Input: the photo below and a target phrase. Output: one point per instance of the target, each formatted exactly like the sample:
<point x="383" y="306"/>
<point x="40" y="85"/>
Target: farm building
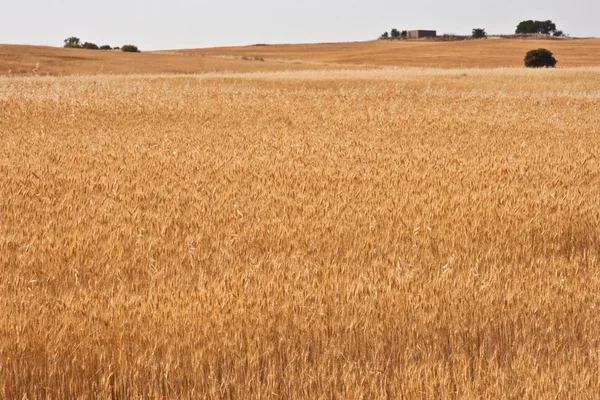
<point x="418" y="34"/>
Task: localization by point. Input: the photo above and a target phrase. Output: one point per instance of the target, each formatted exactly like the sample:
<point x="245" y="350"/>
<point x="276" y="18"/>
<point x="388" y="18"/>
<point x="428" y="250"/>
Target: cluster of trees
<point x="75" y="43"/>
<point x="524" y="27"/>
<point x="541" y="27"/>
<point x="394" y="34"/>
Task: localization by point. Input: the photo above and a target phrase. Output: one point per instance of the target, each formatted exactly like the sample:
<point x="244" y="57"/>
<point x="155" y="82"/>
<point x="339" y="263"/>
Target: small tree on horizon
<point x="395" y="33"/>
<point x="72" y="42"/>
<point x="90" y="46"/>
<point x="385" y="35"/>
<point x="479" y="33"/>
<point x="129" y="48"/>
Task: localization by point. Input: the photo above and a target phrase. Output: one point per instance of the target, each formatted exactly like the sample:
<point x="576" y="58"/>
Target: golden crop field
<point x="407" y="233"/>
<point x="17" y="60"/>
<point x="490" y="53"/>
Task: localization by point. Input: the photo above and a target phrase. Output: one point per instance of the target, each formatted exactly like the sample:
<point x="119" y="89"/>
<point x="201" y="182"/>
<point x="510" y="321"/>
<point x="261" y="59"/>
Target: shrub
<point x="539" y="58"/>
<point x="90" y="46"/>
<point x="385" y="35"/>
<point x="72" y="42"/>
<point x="479" y="33"/>
<point x="105" y="47"/>
<point x="129" y="48"/>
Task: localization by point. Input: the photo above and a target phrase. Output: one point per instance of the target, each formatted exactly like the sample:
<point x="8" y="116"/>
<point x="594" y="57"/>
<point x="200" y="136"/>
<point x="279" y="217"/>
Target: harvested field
<point x="424" y="53"/>
<point x="342" y="234"/>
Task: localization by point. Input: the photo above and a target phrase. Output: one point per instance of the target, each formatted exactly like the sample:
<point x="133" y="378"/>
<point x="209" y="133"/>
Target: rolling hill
<point x="422" y="53"/>
<point x="28" y="60"/>
<point x="42" y="60"/>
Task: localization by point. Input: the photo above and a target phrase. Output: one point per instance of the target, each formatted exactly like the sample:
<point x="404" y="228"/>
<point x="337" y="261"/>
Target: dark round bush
<point x="539" y="58"/>
<point x="129" y="48"/>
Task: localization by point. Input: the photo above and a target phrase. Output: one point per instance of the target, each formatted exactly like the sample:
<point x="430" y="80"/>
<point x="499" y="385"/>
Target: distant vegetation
<point x="255" y="58"/>
<point x="394" y="34"/>
<point x="479" y="33"/>
<point x="524" y="29"/>
<point x="129" y="48"/>
<point x="450" y="37"/>
<point x="540" y="58"/>
<point x="74" y="42"/>
<point x="540" y="27"/>
<point x="90" y="46"/>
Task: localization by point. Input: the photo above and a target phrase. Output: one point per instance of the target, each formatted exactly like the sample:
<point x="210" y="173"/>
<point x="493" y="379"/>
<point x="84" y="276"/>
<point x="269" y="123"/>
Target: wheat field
<point x="486" y="53"/>
<point x="22" y="60"/>
<point x="19" y="60"/>
<point x="412" y="233"/>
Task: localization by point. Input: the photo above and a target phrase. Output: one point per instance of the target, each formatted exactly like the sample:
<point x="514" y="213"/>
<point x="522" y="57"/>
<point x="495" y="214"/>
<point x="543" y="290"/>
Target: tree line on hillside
<point x="394" y="34"/>
<point x="524" y="27"/>
<point x="540" y="27"/>
<point x="74" y="42"/>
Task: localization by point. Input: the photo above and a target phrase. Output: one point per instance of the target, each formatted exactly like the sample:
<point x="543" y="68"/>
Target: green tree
<point x="129" y="48"/>
<point x="525" y="27"/>
<point x="72" y="42"/>
<point x="546" y="27"/>
<point x="395" y="33"/>
<point x="105" y="47"/>
<point x="539" y="58"/>
<point x="529" y="26"/>
<point x="90" y="46"/>
<point x="479" y="33"/>
<point x="404" y="34"/>
<point x="385" y="35"/>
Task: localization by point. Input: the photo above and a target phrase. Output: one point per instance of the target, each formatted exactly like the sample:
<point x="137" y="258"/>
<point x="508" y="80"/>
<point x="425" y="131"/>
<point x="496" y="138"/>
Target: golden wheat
<point x="420" y="53"/>
<point x="18" y="60"/>
<point x="374" y="234"/>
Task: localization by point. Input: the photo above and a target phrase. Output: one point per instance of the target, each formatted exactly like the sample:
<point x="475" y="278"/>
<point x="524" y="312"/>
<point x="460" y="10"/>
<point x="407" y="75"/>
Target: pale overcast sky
<point x="162" y="24"/>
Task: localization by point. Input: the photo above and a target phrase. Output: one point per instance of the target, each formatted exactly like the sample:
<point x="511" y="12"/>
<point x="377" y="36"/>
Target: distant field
<point x="412" y="233"/>
<point x="30" y="60"/>
<point x="463" y="54"/>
